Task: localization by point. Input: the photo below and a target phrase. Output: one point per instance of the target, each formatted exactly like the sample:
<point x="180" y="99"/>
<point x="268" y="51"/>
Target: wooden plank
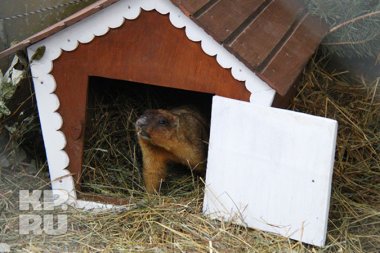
<point x="283" y="101"/>
<point x="102" y="199"/>
<point x="270" y="169"/>
<point x="189" y="7"/>
<point x="285" y="66"/>
<point x="223" y="18"/>
<point x="257" y="41"/>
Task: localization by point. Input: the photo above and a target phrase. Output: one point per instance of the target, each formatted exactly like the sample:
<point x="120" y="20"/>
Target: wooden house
<point x="249" y="50"/>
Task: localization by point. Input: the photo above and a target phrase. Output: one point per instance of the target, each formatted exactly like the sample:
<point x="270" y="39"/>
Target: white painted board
<point x="270" y="169"/>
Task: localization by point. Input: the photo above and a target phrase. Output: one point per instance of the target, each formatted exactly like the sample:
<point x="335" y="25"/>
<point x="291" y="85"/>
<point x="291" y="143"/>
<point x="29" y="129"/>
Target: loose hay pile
<point x="354" y="219"/>
<point x="111" y="163"/>
<point x="173" y="222"/>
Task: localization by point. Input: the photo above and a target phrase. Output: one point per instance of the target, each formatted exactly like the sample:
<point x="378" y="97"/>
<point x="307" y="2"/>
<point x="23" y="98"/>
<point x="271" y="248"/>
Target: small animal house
<point x="236" y="62"/>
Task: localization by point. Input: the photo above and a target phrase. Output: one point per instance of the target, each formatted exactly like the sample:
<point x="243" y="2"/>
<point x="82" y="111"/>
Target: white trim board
<point x="99" y="24"/>
<point x="270" y="169"/>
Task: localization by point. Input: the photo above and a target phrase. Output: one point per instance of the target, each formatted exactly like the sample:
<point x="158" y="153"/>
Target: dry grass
<point x="355" y="208"/>
<point x="173" y="221"/>
<point x="111" y="156"/>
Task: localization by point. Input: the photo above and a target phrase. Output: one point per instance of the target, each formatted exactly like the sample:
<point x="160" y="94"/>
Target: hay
<point x="111" y="157"/>
<point x="172" y="222"/>
<point x="354" y="223"/>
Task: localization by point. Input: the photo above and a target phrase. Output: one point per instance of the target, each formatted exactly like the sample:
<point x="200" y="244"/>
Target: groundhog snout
<point x="140" y="125"/>
<point x="141" y="122"/>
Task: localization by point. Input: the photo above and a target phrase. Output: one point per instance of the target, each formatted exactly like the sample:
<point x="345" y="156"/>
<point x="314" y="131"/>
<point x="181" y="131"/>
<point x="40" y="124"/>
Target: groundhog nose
<point x="141" y="122"/>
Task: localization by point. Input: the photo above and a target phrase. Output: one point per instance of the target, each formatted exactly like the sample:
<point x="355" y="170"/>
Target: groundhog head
<point x="158" y="127"/>
<point x="170" y="136"/>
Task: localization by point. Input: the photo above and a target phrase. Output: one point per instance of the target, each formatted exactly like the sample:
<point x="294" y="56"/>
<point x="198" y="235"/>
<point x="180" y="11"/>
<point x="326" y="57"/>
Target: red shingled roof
<point x="274" y="38"/>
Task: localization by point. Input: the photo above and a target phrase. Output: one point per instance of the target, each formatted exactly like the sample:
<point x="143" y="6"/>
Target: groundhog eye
<point x="163" y="121"/>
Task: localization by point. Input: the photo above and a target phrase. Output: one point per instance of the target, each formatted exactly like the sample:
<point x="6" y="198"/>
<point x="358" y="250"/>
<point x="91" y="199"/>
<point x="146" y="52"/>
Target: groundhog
<point x="179" y="135"/>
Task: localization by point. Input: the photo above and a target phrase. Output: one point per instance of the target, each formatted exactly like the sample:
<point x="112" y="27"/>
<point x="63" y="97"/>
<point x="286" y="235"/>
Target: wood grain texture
<point x="147" y="50"/>
<point x="223" y="18"/>
<point x="285" y="66"/>
<point x="258" y="40"/>
<point x="189" y="7"/>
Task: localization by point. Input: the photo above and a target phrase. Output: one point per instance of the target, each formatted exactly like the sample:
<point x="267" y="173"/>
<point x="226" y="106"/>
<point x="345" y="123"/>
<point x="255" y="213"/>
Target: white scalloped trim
<point x="99" y="24"/>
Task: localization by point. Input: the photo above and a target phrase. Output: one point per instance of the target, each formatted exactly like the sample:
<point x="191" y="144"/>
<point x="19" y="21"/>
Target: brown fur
<point x="179" y="135"/>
